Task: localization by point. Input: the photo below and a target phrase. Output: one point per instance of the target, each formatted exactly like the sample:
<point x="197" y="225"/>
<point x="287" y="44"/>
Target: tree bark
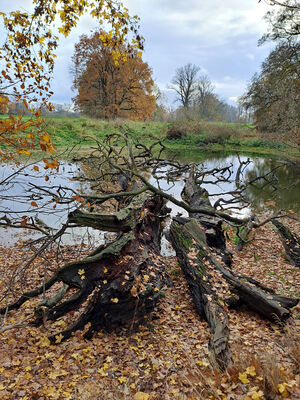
<point x="215" y="288"/>
<point x="191" y="247"/>
<point x="121" y="282"/>
<point x="290" y="241"/>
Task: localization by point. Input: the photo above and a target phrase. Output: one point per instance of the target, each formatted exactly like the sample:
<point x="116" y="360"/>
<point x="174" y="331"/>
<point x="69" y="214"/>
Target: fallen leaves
<point x="165" y="359"/>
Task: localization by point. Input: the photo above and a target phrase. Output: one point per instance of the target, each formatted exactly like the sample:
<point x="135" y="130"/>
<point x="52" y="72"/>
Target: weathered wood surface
<point x="290" y="241"/>
<point x="189" y="241"/>
<point x="213" y="286"/>
<point x="121" y="282"/>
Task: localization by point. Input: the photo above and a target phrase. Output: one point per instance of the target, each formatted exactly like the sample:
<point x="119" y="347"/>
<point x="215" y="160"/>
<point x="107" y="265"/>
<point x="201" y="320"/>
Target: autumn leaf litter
<point x="167" y="356"/>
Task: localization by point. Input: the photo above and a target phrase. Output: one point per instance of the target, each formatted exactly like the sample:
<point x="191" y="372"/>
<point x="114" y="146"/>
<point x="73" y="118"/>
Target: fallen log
<point x="215" y="288"/>
<point x="290" y="241"/>
<point x="188" y="239"/>
<point x="120" y="282"/>
<point x="197" y="197"/>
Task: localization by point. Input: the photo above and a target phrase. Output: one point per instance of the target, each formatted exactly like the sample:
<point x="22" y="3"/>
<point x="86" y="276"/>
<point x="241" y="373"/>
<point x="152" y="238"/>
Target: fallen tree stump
<point x="120" y="282"/>
<point x="197" y="197"/>
<point x="214" y="288"/>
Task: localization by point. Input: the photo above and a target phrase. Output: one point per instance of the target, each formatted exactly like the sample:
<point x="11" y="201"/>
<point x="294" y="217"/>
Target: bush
<point x="175" y="132"/>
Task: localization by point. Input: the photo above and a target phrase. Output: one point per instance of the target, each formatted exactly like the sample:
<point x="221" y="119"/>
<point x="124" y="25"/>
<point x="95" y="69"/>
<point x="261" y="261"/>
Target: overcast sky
<point x="218" y="36"/>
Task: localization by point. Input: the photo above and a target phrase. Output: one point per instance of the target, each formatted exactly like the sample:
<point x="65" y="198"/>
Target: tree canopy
<point x="273" y="94"/>
<point x="108" y="88"/>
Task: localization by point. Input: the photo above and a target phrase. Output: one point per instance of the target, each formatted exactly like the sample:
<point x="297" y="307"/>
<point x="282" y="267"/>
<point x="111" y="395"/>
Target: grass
<point x="70" y="130"/>
<point x="227" y="137"/>
<point x="193" y="135"/>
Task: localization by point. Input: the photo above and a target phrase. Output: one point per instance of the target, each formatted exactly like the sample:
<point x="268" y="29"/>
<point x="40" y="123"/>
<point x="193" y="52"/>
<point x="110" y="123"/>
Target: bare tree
<point x="205" y="97"/>
<point x="185" y="84"/>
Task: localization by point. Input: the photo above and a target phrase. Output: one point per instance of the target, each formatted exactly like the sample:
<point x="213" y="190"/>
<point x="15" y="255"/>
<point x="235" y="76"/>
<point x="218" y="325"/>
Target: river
<point x="280" y="189"/>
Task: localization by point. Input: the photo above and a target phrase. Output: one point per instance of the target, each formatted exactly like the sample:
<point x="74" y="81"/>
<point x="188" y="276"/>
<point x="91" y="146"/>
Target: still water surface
<point x="279" y="190"/>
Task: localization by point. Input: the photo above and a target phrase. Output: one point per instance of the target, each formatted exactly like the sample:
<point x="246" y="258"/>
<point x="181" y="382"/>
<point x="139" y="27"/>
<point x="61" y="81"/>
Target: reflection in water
<point x="280" y="188"/>
<point x="18" y="188"/>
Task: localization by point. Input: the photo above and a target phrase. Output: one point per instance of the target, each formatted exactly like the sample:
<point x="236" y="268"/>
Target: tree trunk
<point x="191" y="247"/>
<point x="213" y="286"/>
<point x="197" y="197"/>
<point x="121" y="281"/>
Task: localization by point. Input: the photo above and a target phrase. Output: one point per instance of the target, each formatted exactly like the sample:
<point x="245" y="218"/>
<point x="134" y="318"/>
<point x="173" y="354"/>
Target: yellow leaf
<point x="243" y="378"/>
<point x="46" y="137"/>
<point x="122" y="379"/>
<point x="251" y="370"/>
<point x="44" y="341"/>
<point x="133" y="291"/>
<point x="141" y="396"/>
<point x="257" y="395"/>
<point x="81" y="271"/>
<point x="114" y="300"/>
<point x="24" y="151"/>
<point x="105" y="270"/>
<point x="281" y="387"/>
<point x="101" y="372"/>
<point x="59" y="338"/>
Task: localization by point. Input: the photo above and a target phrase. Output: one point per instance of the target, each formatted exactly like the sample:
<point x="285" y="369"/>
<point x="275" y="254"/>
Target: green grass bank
<point x="179" y="136"/>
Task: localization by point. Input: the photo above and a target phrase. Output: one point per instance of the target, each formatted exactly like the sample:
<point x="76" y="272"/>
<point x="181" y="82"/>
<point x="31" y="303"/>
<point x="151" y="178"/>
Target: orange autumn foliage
<point x="108" y="88"/>
<point x="27" y="57"/>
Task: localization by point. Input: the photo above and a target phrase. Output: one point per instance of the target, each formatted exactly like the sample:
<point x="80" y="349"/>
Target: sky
<point x="218" y="36"/>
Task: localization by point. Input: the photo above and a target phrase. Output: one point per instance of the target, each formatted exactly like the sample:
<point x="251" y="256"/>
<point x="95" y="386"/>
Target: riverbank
<point x="194" y="136"/>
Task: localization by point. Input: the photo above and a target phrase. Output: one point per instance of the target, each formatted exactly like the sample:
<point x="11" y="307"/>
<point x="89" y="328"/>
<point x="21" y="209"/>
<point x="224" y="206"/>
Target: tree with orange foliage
<point x="27" y="57"/>
<point x="108" y="88"/>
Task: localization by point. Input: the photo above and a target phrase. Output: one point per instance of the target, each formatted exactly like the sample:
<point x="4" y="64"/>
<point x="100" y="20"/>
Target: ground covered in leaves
<point x="164" y="358"/>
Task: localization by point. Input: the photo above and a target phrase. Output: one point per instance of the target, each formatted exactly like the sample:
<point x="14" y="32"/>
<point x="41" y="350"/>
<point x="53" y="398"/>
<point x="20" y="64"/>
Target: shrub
<point x="175" y="132"/>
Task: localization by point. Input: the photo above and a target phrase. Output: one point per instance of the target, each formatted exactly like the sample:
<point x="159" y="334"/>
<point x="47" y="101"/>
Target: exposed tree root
<point x="121" y="282"/>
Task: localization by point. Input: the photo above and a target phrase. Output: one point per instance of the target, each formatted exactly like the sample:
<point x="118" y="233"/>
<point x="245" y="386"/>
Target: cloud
<point x="233" y="99"/>
<point x="218" y="36"/>
<point x="250" y="56"/>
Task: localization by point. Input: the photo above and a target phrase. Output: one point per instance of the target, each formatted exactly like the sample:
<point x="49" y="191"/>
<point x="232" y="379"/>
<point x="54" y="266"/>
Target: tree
<point x="283" y="21"/>
<point x="184" y="83"/>
<point x="273" y="94"/>
<point x="109" y="89"/>
<point x="28" y="57"/>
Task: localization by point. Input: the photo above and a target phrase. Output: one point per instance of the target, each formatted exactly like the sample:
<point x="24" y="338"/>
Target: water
<point x="19" y="193"/>
<point x="279" y="189"/>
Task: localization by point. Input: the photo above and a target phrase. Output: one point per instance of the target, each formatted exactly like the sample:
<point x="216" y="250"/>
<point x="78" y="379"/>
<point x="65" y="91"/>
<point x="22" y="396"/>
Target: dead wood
<point x="290" y="241"/>
<point x="212" y="285"/>
<point x="120" y="282"/>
